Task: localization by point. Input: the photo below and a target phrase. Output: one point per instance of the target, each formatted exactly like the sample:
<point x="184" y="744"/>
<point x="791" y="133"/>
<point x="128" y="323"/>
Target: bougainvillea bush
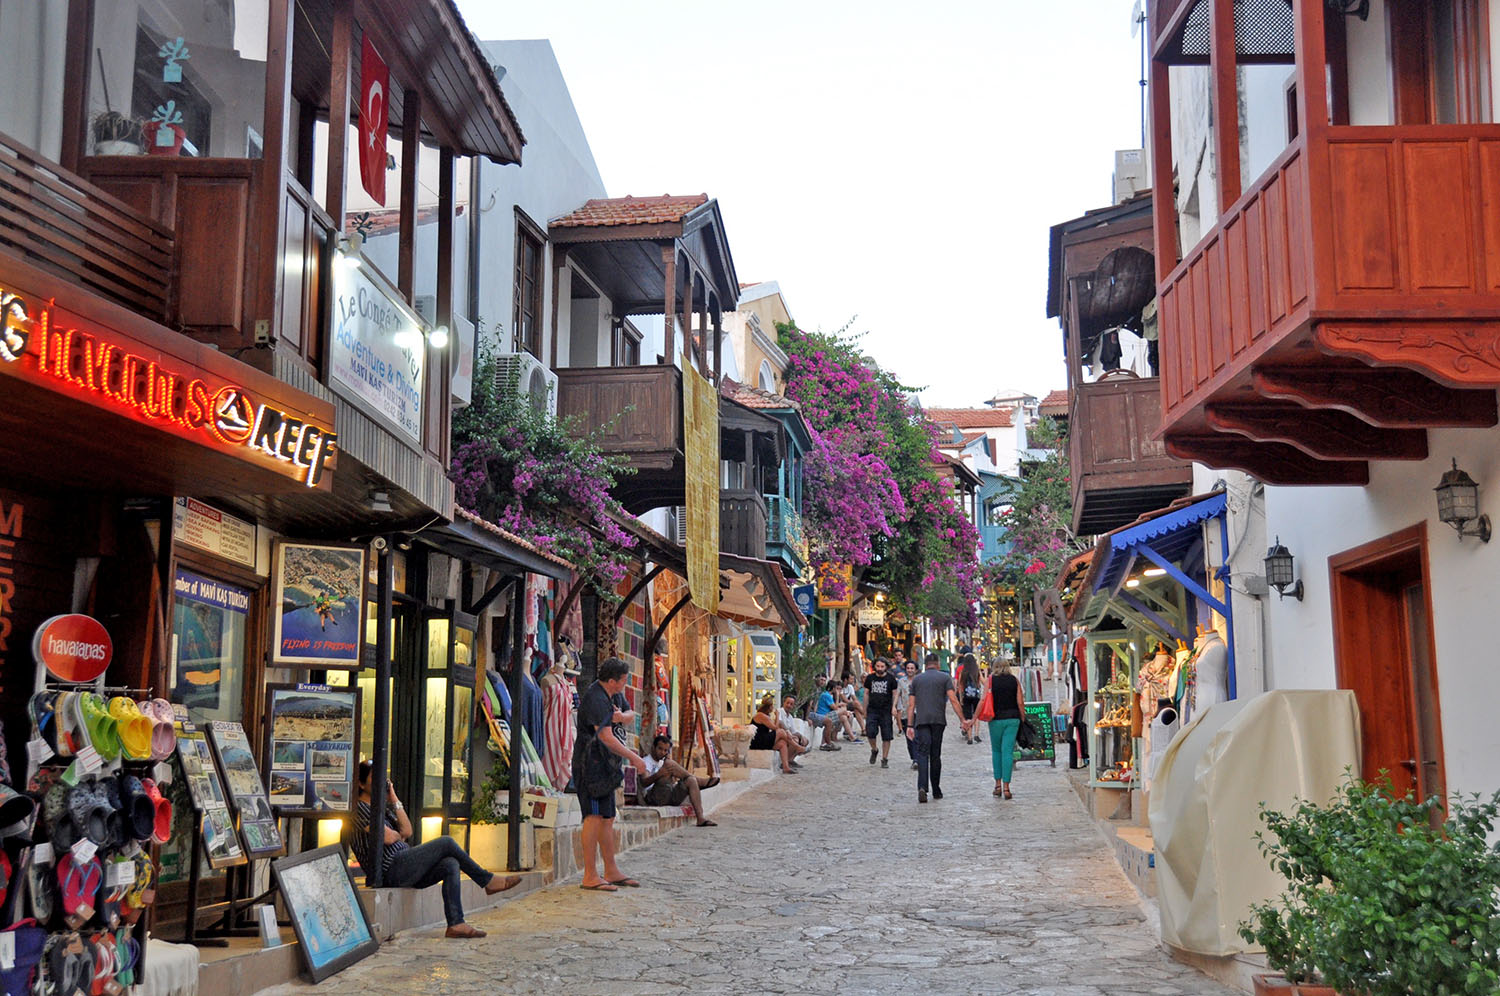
<point x="873" y="498"/>
<point x="544" y="480"/>
<point x="1039" y="520"/>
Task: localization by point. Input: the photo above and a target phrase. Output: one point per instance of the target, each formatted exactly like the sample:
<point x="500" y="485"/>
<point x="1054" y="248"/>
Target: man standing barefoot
<point x="599" y="708"/>
<point x="927" y="716"/>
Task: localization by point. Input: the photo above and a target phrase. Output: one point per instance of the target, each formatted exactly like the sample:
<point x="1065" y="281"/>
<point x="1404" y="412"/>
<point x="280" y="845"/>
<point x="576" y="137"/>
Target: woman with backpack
<point x="970" y="691"/>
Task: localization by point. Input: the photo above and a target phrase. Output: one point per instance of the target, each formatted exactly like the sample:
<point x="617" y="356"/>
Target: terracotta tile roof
<point x="1057" y="400"/>
<point x="754" y="397"/>
<point x="627" y="210"/>
<point x="970" y="418"/>
<point x="506" y="534"/>
<point x="969" y="437"/>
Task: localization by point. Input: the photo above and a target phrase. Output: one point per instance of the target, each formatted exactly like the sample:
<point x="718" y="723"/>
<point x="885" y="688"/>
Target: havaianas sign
<point x="42" y="344"/>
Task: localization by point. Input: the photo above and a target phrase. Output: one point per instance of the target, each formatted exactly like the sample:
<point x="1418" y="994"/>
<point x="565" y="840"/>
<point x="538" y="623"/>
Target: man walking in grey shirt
<point x="926" y="717"/>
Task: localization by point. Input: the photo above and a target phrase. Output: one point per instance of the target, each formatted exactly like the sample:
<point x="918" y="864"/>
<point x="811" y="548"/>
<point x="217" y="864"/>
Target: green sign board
<point x="1040" y="716"/>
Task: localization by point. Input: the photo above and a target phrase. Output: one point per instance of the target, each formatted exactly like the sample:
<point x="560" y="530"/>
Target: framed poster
<point x="312" y="748"/>
<point x="319" y="605"/>
<point x="333" y="931"/>
<point x="258" y="830"/>
<point x="221" y="845"/>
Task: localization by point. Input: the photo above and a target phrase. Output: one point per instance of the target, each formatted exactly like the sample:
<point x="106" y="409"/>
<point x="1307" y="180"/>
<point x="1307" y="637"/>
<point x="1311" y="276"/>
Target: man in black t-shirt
<point x="599" y="710"/>
<point x="880" y="693"/>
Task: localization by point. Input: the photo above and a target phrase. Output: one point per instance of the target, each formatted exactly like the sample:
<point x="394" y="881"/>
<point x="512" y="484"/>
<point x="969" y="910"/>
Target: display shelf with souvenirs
<point x="1116" y="716"/>
<point x="79" y="857"/>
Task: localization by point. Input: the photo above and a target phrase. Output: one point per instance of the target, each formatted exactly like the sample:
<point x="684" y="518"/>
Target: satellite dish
<point x="1136" y="17"/>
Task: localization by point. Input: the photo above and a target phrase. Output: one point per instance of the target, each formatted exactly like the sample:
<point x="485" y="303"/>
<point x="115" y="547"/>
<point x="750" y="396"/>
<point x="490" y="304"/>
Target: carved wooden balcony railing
<point x="1346" y="303"/>
<point x="1120" y="467"/>
<point x="59" y="221"/>
<point x="742" y="523"/>
<point x="639" y="410"/>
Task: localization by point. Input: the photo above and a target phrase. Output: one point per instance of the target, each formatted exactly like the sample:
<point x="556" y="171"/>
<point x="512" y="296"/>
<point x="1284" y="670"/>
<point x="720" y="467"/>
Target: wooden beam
<point x="1389" y="397"/>
<point x="81" y="65"/>
<point x="1125" y="599"/>
<point x="498" y="590"/>
<point x="656" y="634"/>
<point x="570" y="598"/>
<point x="1273" y="463"/>
<point x="1163" y="193"/>
<point x="1459" y="354"/>
<point x="1309" y="40"/>
<point x="669" y="303"/>
<point x="718" y="345"/>
<point x="559" y="260"/>
<point x="1327" y="433"/>
<point x="265" y="262"/>
<point x="1225" y="96"/>
<point x="438" y="375"/>
<point x="411" y="147"/>
<point x="340" y="74"/>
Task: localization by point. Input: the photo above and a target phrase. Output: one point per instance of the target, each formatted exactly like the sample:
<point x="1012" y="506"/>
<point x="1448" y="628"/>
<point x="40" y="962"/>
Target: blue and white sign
<point x="805" y="595"/>
<point x="377" y="349"/>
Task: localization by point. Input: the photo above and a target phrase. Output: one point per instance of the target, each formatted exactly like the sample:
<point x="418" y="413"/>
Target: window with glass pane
<point x="209" y="619"/>
<point x="33" y="49"/>
<point x="178" y="77"/>
<point x="365" y="681"/>
<point x="463" y="712"/>
<point x="528" y="289"/>
<point x="434" y="743"/>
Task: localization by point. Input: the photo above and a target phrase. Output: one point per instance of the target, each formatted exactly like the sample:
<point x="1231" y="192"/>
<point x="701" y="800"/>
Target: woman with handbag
<point x="1008" y="707"/>
<point x="969" y="690"/>
<point x="596" y="771"/>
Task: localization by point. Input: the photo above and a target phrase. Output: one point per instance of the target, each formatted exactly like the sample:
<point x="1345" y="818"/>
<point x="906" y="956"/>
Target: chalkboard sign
<point x="1040" y="715"/>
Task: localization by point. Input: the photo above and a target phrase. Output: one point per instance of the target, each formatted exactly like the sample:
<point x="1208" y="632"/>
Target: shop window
<point x="178" y="77"/>
<point x="33" y="44"/>
<point x="527" y="318"/>
<point x="209" y="622"/>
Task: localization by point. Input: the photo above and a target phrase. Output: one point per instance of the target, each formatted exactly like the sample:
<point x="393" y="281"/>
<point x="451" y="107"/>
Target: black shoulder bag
<point x="601" y="769"/>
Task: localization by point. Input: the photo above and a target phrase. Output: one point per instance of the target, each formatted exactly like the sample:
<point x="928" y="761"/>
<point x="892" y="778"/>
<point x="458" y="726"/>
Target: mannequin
<point x="557" y="707"/>
<point x="1212" y="671"/>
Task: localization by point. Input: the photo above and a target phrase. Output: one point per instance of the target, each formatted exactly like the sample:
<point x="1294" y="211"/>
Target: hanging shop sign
<point x="73" y="647"/>
<point x="377" y="350"/>
<point x="806" y="597"/>
<point x="835" y="585"/>
<point x="871" y="617"/>
<point x="206" y="528"/>
<point x="43" y="343"/>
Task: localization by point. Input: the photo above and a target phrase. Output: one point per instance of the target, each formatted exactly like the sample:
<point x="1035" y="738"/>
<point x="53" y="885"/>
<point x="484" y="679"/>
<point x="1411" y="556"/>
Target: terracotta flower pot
<point x="153" y="148"/>
<point x="1277" y="985"/>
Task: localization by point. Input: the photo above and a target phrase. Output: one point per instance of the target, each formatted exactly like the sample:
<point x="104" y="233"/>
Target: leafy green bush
<point x="1384" y="897"/>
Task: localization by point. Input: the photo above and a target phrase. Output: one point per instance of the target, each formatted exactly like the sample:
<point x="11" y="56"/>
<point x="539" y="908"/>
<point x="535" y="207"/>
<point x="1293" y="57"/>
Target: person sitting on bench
<point x="407" y="867"/>
<point x="667" y="783"/>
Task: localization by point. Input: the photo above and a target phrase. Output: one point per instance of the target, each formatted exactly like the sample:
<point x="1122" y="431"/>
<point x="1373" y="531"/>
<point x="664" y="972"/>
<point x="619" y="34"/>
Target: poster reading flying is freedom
<point x="311" y="752"/>
<point x="320" y="604"/>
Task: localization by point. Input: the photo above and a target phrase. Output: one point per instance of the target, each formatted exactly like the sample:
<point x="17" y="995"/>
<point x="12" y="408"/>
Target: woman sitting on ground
<point x="768" y="737"/>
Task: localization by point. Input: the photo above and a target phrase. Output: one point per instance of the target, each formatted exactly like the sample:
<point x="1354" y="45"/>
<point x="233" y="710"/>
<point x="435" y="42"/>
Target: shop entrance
<point x="1383" y="644"/>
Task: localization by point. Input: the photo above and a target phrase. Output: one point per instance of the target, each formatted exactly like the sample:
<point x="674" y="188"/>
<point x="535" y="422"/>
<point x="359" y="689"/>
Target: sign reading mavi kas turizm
<point x="377" y="350"/>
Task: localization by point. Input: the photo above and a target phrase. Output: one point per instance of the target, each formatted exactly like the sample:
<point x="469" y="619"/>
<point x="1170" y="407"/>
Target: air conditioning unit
<point x="679" y="525"/>
<point x="525" y="373"/>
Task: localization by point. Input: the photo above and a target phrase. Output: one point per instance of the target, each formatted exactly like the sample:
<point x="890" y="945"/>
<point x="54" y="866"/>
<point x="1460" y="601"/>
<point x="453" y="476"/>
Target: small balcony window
<point x="178" y="78"/>
<point x="527" y="319"/>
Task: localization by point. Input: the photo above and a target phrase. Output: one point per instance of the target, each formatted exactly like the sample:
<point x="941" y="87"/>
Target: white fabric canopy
<point x="1205" y="803"/>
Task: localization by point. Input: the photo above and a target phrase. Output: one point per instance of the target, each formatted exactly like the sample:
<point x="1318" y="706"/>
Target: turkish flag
<point x="374" y="120"/>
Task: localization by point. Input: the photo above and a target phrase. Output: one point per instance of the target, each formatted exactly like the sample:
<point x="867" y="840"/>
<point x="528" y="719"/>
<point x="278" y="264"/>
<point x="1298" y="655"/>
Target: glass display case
<point x="1114" y="661"/>
<point x="448" y="713"/>
<point x="732" y="680"/>
<point x="765" y="668"/>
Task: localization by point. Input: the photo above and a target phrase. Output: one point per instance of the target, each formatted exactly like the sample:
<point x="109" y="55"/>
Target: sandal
<point x="1007" y="794"/>
<point x="628" y="883"/>
<point x="601" y="887"/>
<point x="998" y="792"/>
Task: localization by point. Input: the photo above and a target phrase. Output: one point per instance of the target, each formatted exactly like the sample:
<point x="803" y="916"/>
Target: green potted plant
<point x="116" y="134"/>
<point x="1385" y="896"/>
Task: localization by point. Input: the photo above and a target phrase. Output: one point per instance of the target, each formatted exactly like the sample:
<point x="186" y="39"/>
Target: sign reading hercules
<point x="41" y="344"/>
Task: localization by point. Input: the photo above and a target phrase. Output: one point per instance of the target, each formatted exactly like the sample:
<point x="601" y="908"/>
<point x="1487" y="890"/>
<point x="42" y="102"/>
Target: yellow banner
<point x="700" y="430"/>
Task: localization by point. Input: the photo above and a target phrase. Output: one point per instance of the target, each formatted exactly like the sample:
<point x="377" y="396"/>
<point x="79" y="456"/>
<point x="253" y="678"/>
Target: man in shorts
<point x="880" y="695"/>
<point x="600" y="707"/>
<point x="667" y="783"/>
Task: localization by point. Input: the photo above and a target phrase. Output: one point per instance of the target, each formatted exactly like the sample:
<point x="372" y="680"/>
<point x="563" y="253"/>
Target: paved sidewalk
<point x="832" y="881"/>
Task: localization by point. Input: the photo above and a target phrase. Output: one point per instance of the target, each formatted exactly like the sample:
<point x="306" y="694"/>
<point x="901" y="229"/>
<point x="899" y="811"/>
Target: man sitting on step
<point x="667" y="783"/>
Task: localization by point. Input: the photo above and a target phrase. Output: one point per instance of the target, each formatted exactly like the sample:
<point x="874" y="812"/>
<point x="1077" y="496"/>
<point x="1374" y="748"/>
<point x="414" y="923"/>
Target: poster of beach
<point x="312" y="747"/>
<point x="319" y="608"/>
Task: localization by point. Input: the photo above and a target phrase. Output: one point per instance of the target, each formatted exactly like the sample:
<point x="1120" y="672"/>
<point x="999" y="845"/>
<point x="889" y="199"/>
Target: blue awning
<point x="1170" y="535"/>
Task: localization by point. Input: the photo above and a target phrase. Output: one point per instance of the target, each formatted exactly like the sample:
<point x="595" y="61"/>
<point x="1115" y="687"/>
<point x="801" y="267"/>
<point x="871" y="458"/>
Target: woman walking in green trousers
<point x="1010" y="706"/>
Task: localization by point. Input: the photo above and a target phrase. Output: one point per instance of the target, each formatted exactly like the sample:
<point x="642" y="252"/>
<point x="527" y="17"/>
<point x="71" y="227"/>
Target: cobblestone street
<point x="835" y="880"/>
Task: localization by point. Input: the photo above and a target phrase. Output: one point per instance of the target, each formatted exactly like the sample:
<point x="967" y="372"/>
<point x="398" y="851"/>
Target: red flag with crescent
<point x="374" y="120"/>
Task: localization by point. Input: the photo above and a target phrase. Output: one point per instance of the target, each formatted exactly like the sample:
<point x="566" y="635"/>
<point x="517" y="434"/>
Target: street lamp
<point x="1458" y="504"/>
<point x="1279" y="572"/>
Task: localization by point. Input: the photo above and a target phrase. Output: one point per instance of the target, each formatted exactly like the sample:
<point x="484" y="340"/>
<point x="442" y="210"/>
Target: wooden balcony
<point x="1346" y="303"/>
<point x="61" y="222"/>
<point x="1121" y="469"/>
<point x="784" y="538"/>
<point x="639" y="410"/>
<point x="742" y="523"/>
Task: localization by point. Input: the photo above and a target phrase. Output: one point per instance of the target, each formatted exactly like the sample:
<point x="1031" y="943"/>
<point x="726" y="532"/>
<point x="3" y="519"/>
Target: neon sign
<point x="148" y="388"/>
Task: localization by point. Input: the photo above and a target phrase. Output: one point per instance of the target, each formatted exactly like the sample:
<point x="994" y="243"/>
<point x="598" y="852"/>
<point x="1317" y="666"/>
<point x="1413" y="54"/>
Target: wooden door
<point x="1383" y="644"/>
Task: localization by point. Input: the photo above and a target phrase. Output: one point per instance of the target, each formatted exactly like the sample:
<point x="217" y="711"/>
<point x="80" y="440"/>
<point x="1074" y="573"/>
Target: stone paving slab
<point x="833" y="881"/>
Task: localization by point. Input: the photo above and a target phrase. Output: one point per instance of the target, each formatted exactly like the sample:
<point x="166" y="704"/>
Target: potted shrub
<point x="1384" y="896"/>
<point x="116" y="134"/>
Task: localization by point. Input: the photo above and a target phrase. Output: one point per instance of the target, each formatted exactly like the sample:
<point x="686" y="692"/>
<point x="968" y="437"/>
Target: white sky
<point x="901" y="162"/>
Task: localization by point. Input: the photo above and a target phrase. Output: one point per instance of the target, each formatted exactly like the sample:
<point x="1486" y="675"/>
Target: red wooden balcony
<point x="1347" y="302"/>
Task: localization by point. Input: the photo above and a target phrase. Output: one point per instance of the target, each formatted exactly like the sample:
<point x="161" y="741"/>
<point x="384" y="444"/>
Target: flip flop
<point x="601" y="887"/>
<point x="80" y="883"/>
<point x="628" y="883"/>
<point x="104" y="961"/>
<point x="127" y="953"/>
<point x="69" y="727"/>
<point x="708" y="823"/>
<point x="711" y="782"/>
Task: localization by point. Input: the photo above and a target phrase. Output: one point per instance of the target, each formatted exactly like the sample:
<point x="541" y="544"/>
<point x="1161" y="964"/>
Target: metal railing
<point x="784" y="526"/>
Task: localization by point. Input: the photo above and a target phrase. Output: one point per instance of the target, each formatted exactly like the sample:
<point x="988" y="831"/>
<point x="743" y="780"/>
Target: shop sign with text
<point x="208" y="528"/>
<point x="44" y="344"/>
<point x="73" y="647"/>
<point x="377" y="349"/>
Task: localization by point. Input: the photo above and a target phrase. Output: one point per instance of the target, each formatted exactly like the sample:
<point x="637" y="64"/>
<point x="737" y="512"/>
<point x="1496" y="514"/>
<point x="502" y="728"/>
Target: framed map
<point x="311" y="748"/>
<point x="333" y="931"/>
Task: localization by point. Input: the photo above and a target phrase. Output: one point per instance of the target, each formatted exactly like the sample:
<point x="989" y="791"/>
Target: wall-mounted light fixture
<point x="350" y="248"/>
<point x="379" y="501"/>
<point x="438" y="337"/>
<point x="1279" y="573"/>
<point x="1458" y="504"/>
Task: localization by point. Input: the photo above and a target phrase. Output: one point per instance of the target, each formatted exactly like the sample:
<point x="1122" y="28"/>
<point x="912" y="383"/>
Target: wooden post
<point x="559" y="259"/>
<point x="687" y="309"/>
<point x="669" y="303"/>
<point x="439" y="393"/>
<point x="703" y="333"/>
<point x="1163" y="199"/>
<point x="379" y="764"/>
<point x="81" y="62"/>
<point x="517" y="755"/>
<point x="411" y="147"/>
<point x="1312" y="80"/>
<point x="266" y="262"/>
<point x="338" y="112"/>
<point x="718" y="345"/>
<point x="1225" y="97"/>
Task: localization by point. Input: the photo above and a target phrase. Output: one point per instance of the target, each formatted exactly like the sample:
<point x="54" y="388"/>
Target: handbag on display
<point x="986" y="710"/>
<point x="601" y="770"/>
<point x="1026" y="737"/>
